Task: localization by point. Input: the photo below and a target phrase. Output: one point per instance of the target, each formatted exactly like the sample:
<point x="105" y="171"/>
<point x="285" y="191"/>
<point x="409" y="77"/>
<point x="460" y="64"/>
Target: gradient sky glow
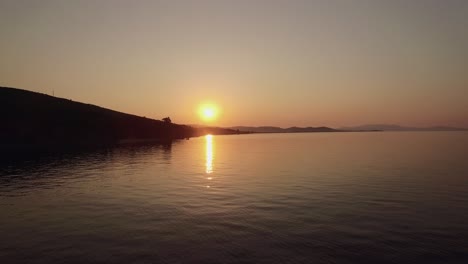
<point x="282" y="63"/>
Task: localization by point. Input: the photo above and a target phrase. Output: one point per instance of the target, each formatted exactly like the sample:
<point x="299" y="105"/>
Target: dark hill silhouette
<point x="31" y="120"/>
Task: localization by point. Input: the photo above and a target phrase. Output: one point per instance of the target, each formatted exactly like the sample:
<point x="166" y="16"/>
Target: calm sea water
<point x="267" y="198"/>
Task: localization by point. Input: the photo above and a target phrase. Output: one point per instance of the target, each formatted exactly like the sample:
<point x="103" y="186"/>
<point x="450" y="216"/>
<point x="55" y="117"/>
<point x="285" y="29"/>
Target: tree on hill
<point x="167" y="120"/>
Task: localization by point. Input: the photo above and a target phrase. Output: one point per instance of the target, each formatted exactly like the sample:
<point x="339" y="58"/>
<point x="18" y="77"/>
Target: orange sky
<point x="282" y="63"/>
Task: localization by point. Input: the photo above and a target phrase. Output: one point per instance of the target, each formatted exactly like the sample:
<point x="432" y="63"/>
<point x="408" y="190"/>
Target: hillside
<point x="39" y="120"/>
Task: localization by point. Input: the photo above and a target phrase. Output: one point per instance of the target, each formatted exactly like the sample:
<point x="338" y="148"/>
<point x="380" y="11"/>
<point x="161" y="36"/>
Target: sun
<point x="208" y="112"/>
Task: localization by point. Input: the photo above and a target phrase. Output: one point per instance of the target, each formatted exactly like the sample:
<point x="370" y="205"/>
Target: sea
<point x="351" y="197"/>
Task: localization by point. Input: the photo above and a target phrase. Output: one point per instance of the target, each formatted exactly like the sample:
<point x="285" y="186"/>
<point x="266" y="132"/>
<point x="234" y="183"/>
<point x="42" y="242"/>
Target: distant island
<point x="362" y="128"/>
<point x="272" y="129"/>
<point x="33" y="120"/>
<point x="391" y="127"/>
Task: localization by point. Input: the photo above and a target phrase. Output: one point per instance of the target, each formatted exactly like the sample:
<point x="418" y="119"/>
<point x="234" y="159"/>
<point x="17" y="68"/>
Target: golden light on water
<point x="209" y="154"/>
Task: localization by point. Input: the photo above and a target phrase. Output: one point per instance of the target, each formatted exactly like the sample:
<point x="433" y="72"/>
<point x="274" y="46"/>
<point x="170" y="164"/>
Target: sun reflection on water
<point x="209" y="154"/>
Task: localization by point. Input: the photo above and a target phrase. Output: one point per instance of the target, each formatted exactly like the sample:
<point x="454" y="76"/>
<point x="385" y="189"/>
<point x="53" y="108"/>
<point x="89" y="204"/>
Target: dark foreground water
<point x="266" y="198"/>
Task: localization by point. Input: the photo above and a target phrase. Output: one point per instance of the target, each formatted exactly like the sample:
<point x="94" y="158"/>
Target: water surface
<point x="265" y="198"/>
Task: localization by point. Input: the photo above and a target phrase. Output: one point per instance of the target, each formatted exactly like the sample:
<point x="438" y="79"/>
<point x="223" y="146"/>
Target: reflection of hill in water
<point x="32" y="170"/>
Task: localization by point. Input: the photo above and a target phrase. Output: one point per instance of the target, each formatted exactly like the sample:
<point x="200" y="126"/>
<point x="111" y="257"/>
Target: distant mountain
<point x="217" y="130"/>
<point x="260" y="129"/>
<point x="272" y="129"/>
<point x="363" y="128"/>
<point x="388" y="127"/>
<point x="35" y="120"/>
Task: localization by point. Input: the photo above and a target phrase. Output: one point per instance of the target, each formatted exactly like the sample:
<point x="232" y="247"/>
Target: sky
<point x="281" y="63"/>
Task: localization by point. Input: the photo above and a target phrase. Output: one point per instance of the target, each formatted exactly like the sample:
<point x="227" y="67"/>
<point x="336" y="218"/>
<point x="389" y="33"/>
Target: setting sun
<point x="208" y="112"/>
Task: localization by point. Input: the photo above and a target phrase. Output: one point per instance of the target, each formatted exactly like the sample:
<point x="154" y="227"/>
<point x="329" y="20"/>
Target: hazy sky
<point x="278" y="63"/>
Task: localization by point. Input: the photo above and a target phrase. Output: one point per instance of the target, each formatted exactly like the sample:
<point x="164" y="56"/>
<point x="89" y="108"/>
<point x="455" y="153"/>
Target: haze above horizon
<point x="281" y="63"/>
